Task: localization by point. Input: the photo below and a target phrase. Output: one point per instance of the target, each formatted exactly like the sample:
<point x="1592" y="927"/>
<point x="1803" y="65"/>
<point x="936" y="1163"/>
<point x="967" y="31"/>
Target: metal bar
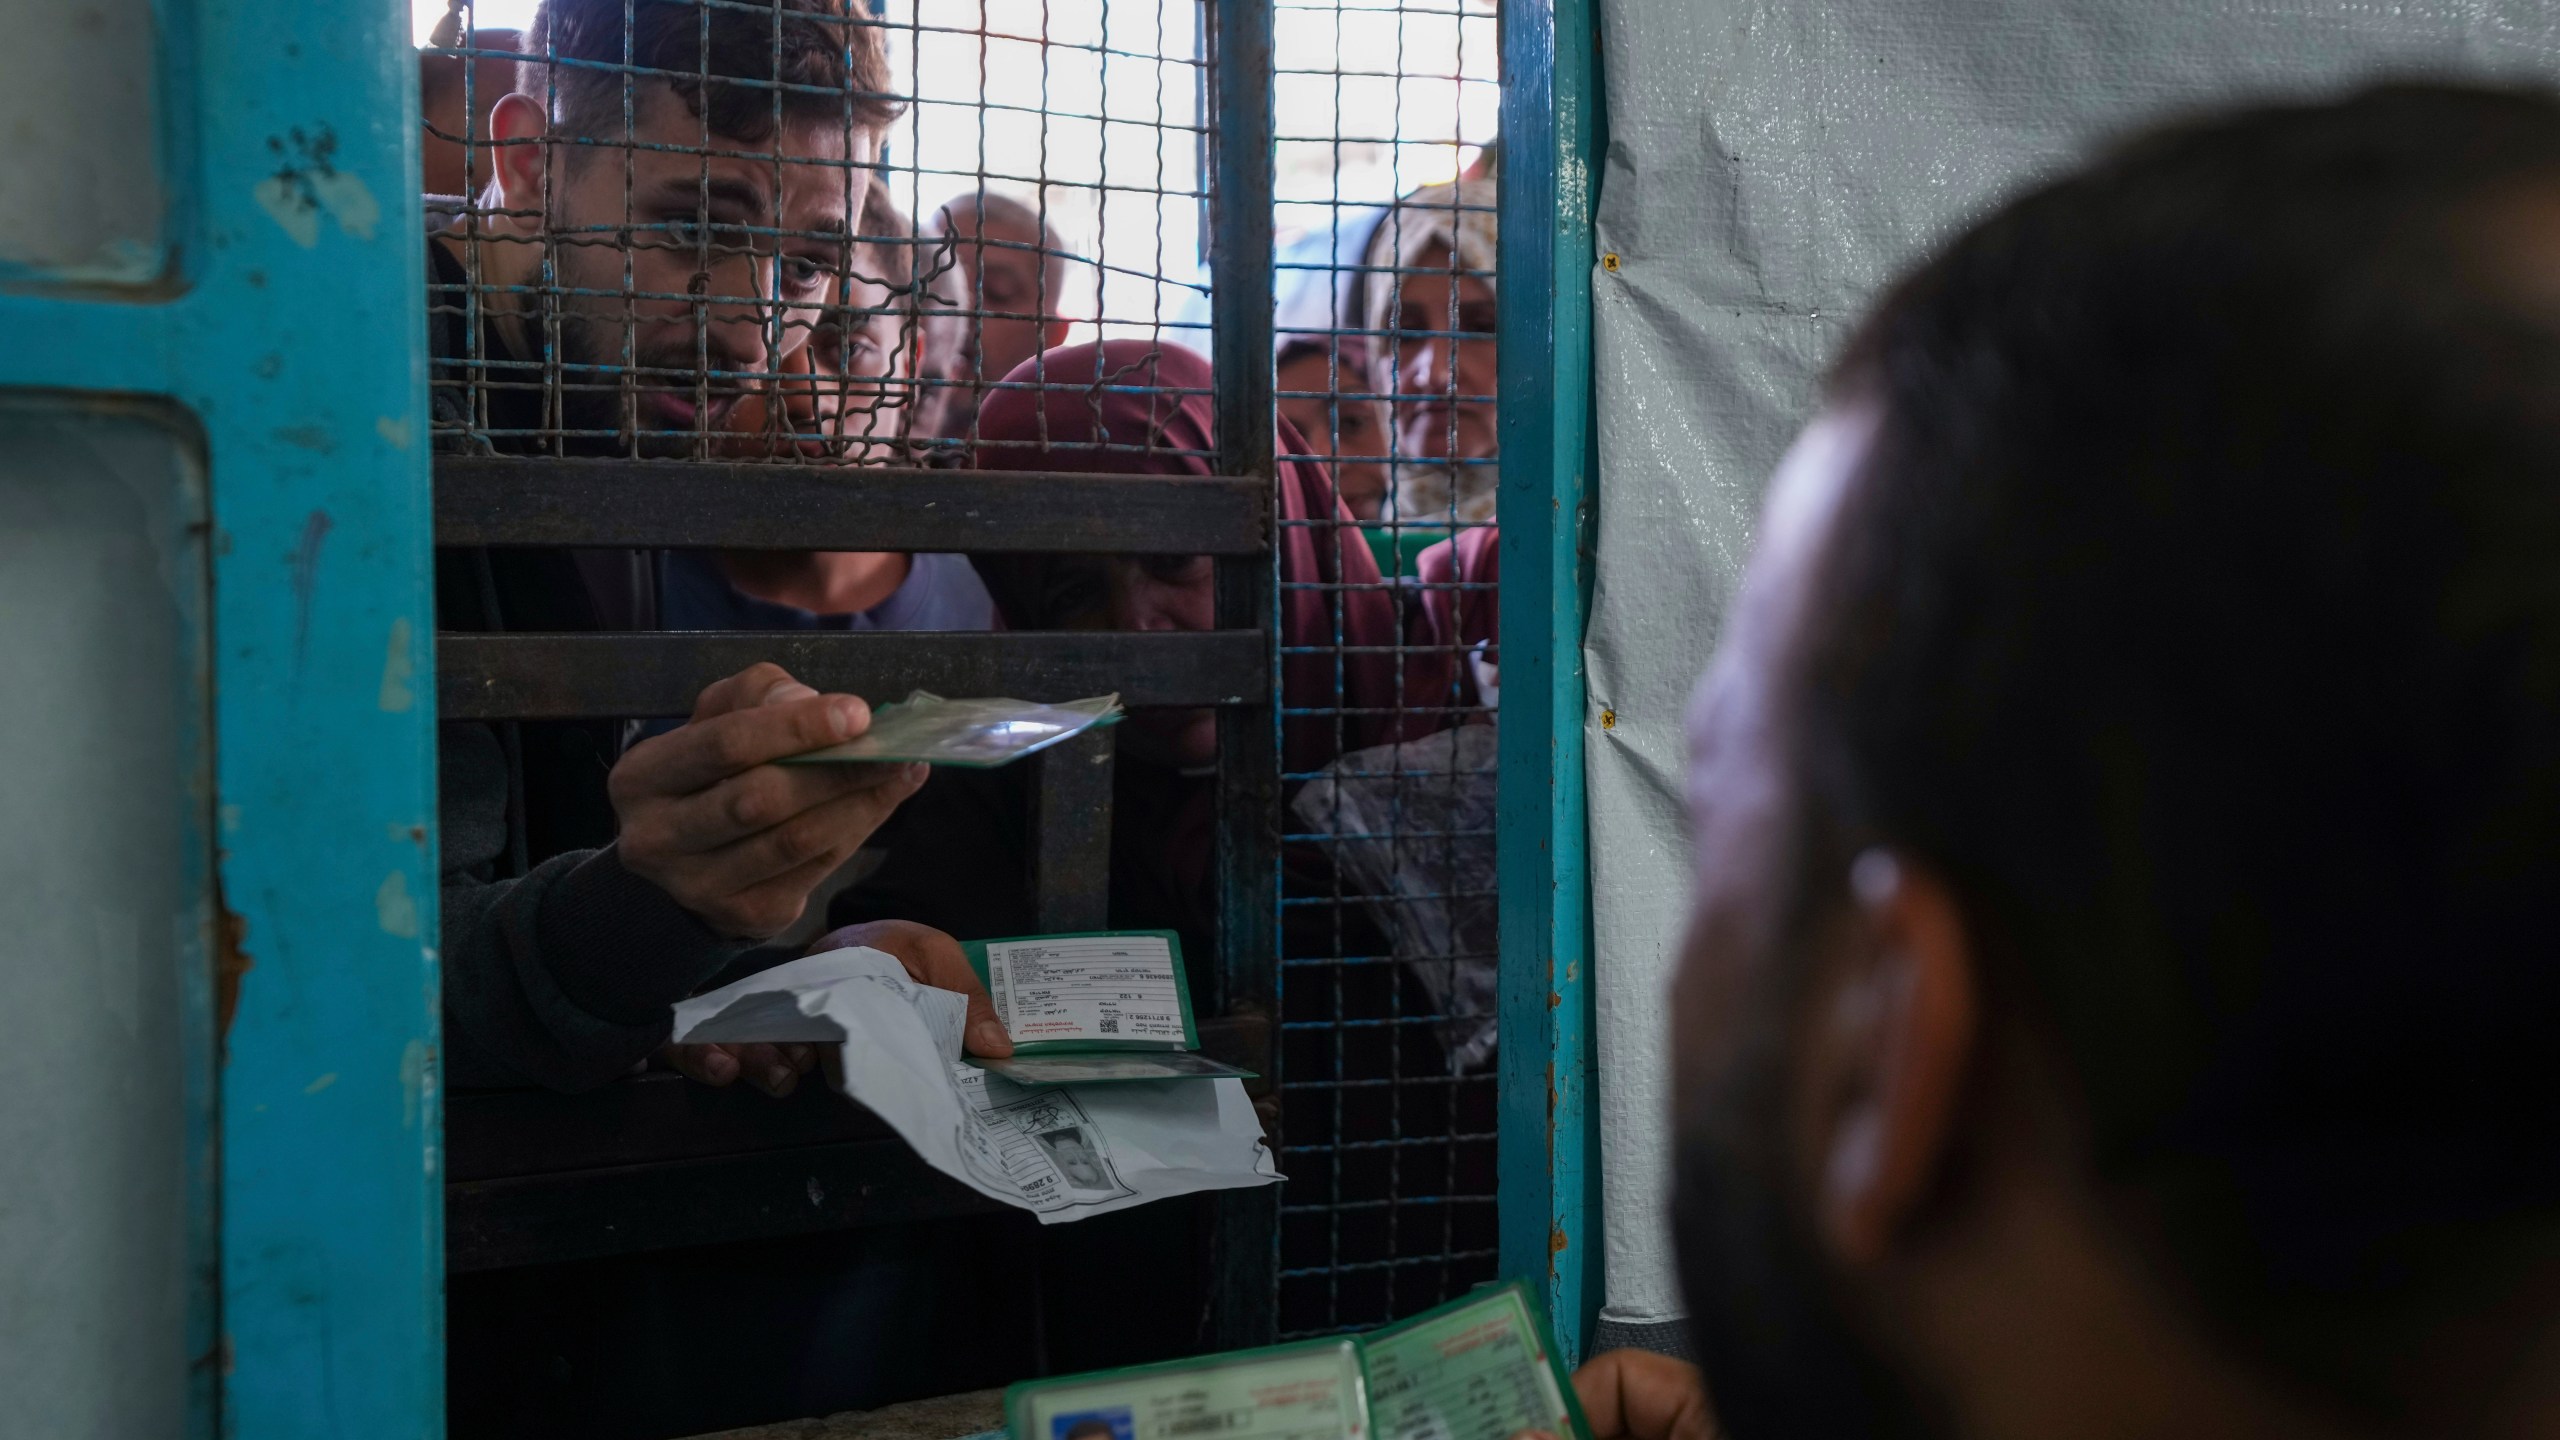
<point x="561" y="677"/>
<point x="325" y="1277"/>
<point x="1071" y="834"/>
<point x="1550" y="1210"/>
<point x="653" y="1118"/>
<point x="667" y="504"/>
<point x="579" y="1215"/>
<point x="1245" y="1244"/>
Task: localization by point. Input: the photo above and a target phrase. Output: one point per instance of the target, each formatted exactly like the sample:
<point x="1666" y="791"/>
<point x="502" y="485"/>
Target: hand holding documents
<point x="1480" y="1368"/>
<point x="1065" y="1152"/>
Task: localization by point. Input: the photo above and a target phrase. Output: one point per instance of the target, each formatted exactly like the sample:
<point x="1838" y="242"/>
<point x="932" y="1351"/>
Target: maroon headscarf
<point x="1134" y="407"/>
<point x="1460" y="579"/>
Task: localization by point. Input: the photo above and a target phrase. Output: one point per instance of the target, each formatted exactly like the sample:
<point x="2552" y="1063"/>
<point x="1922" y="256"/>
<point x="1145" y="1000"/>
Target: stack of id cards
<point x="1090" y="1008"/>
<point x="1481" y="1368"/>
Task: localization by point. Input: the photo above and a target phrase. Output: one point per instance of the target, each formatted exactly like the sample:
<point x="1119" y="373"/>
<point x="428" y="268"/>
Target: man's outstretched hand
<point x="1638" y="1395"/>
<point x="932" y="958"/>
<point x="740" y="841"/>
<point x="773" y="1069"/>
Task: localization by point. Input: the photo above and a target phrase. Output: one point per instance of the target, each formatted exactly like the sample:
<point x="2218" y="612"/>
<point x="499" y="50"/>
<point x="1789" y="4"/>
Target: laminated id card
<point x="972" y="734"/>
<point x="1093" y="1008"/>
<point x="1480" y="1368"/>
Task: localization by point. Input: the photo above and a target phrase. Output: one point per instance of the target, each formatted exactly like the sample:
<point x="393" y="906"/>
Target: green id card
<point x="1095" y="992"/>
<point x="972" y="734"/>
<point x="1479" y="1368"/>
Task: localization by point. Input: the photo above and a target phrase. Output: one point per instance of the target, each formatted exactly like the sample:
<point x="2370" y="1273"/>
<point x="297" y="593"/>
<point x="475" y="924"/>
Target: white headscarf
<point x="1458" y="215"/>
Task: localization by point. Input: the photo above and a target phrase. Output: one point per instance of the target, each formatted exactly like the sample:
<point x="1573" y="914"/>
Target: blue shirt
<point x="941" y="592"/>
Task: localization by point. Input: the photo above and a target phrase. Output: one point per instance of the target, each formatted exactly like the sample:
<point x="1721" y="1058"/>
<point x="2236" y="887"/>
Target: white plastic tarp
<point x="1770" y="165"/>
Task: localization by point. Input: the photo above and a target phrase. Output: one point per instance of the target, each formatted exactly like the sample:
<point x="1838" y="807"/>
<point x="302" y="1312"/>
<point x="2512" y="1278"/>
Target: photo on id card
<point x="1115" y="1423"/>
<point x="1064" y="1142"/>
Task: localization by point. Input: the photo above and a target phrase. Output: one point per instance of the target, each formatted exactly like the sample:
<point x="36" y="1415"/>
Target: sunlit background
<point x="1100" y="128"/>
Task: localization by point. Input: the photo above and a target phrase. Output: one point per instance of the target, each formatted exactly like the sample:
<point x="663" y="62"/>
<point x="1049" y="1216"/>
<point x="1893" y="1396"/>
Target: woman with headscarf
<point x="1429" y="308"/>
<point x="1324" y="390"/>
<point x="956" y="855"/>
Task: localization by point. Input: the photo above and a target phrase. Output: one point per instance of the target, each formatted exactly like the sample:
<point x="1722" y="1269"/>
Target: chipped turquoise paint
<point x="290" y="327"/>
<point x="1550" y="1206"/>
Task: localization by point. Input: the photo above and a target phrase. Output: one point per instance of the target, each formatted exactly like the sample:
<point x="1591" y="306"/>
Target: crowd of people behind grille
<point x="667" y="235"/>
<point x="2116" y="999"/>
<point x="852" y="336"/>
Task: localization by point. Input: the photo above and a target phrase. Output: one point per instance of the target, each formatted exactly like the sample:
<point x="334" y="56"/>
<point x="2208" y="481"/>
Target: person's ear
<point x="518" y="119"/>
<point x="1892" y="1036"/>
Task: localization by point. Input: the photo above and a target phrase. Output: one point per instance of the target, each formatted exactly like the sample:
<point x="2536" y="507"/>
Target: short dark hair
<point x="739" y="65"/>
<point x="2196" y="614"/>
<point x="985" y="206"/>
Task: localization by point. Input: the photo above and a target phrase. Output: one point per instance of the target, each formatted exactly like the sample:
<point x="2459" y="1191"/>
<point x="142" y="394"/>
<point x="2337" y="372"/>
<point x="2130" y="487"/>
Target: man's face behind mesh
<point x="691" y="266"/>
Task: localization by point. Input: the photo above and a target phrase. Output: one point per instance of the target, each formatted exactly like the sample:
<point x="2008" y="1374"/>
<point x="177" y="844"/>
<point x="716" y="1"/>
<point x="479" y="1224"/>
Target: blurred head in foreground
<point x="2121" y="991"/>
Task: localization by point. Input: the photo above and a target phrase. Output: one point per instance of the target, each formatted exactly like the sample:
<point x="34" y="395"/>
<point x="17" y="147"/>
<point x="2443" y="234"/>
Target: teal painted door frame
<point x="1551" y="133"/>
<point x="287" y="326"/>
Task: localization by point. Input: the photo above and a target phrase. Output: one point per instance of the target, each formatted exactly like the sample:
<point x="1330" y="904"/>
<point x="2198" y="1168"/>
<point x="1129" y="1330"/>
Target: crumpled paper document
<point x="1064" y="1152"/>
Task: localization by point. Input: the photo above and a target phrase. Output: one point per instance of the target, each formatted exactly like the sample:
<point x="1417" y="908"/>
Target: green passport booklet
<point x="1481" y="1368"/>
<point x="1093" y="1007"/>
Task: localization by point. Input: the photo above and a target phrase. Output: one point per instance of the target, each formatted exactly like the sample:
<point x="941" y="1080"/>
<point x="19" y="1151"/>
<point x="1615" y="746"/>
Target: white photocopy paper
<point x="1064" y="1152"/>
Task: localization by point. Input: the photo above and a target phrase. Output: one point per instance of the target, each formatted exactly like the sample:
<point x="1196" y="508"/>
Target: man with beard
<point x="653" y="245"/>
<point x="2119" y="996"/>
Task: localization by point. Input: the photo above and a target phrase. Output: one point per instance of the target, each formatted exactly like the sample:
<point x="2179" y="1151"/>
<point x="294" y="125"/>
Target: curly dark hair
<point x="744" y="67"/>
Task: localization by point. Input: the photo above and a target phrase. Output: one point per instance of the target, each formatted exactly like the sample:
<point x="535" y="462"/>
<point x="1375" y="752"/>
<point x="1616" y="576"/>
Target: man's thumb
<point x="986" y="1032"/>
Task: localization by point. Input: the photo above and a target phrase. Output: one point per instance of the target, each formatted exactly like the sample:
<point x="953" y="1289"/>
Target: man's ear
<point x="1892" y="1036"/>
<point x="517" y="120"/>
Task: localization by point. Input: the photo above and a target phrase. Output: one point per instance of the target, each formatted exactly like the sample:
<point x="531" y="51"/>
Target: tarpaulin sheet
<point x="1769" y="166"/>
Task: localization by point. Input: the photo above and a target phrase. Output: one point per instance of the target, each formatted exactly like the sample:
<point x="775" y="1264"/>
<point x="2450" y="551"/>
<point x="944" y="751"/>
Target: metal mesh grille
<point x="1386" y="369"/>
<point x="809" y="233"/>
<point x="750" y="247"/>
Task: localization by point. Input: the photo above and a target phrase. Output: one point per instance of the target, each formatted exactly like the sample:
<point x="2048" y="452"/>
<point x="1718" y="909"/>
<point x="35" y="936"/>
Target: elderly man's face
<point x="1781" y="1359"/>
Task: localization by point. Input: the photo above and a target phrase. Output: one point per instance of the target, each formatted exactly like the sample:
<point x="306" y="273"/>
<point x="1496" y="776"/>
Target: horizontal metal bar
<point x="653" y="1118"/>
<point x="669" y="504"/>
<point x="1401" y="1262"/>
<point x="580" y="1215"/>
<point x="1400" y="1142"/>
<point x="569" y="677"/>
<point x="1383" y="1022"/>
<point x="1388" y="1202"/>
<point x="1391" y="1081"/>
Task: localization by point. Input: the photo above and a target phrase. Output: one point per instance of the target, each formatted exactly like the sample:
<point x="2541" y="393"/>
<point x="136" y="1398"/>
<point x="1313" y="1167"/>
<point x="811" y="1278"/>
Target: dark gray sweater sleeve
<point x="563" y="977"/>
